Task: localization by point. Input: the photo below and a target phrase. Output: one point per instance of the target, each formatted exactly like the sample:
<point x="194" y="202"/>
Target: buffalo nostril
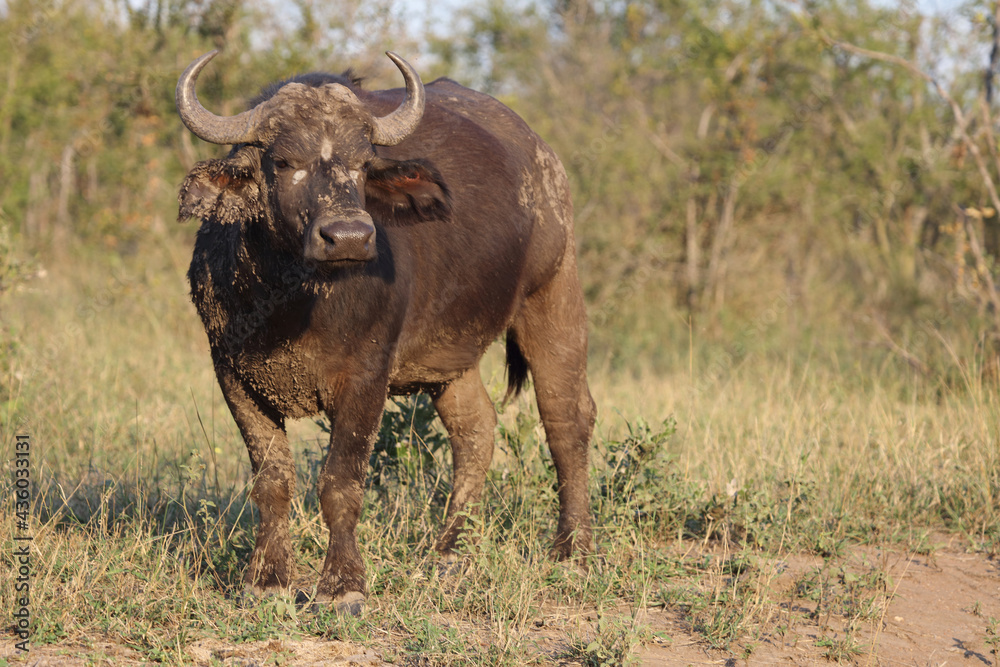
<point x="328" y="234"/>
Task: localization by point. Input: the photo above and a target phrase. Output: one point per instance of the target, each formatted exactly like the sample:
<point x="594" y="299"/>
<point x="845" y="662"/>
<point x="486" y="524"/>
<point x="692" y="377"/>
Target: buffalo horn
<point x="392" y="129"/>
<point x="241" y="128"/>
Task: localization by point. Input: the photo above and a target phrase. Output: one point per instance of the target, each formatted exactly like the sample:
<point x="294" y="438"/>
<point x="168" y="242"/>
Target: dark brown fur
<point x="474" y="239"/>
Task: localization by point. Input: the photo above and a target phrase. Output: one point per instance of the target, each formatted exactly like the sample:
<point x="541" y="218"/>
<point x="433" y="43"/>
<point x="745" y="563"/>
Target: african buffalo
<point x="356" y="244"/>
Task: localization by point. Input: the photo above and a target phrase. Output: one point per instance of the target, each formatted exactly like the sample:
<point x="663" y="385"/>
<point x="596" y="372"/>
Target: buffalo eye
<point x="281" y="164"/>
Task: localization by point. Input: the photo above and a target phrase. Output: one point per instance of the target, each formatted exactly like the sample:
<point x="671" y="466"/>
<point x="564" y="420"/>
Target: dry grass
<point x="141" y="524"/>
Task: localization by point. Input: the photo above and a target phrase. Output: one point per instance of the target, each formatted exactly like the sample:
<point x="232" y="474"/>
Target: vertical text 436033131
<point x="22" y="539"/>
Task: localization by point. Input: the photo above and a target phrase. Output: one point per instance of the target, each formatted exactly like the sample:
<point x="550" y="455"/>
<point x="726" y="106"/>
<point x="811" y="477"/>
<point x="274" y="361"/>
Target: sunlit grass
<point x="142" y="524"/>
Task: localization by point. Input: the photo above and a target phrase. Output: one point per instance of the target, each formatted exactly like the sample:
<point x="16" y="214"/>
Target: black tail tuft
<point x="517" y="368"/>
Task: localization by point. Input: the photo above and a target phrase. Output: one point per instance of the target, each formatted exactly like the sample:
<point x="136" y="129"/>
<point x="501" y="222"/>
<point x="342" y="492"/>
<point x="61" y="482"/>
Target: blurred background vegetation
<point x="738" y="176"/>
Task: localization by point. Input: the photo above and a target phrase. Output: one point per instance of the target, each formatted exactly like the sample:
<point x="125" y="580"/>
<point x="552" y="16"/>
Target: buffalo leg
<point x="354" y="422"/>
<point x="551" y="331"/>
<point x="468" y="415"/>
<point x="273" y="485"/>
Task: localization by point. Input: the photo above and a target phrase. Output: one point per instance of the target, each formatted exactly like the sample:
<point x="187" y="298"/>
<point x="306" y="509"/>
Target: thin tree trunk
<point x="35" y="220"/>
<point x="65" y="192"/>
<point x="715" y="281"/>
<point x="692" y="256"/>
<point x="991" y="70"/>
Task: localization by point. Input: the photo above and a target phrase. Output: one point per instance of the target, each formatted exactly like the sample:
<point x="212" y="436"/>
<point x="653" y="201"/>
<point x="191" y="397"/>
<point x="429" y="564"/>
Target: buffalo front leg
<point x="468" y="415"/>
<point x="263" y="431"/>
<point x="354" y="422"/>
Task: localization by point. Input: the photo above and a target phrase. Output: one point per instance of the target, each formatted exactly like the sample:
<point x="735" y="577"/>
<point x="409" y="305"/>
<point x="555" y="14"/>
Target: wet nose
<point x="342" y="239"/>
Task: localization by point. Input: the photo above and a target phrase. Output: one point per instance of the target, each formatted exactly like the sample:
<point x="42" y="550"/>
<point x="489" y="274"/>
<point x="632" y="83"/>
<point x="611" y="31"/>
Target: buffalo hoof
<point x="450" y="566"/>
<point x="349" y="604"/>
<point x="346" y="604"/>
<point x="573" y="567"/>
<point x="250" y="596"/>
<point x="581" y="563"/>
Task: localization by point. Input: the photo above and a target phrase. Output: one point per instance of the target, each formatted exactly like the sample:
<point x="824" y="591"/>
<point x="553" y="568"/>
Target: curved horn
<point x="203" y="123"/>
<point x="392" y="129"/>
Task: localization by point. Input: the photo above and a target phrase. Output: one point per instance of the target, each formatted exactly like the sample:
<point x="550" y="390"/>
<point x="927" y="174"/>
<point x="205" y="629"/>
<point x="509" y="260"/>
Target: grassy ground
<point x="703" y="479"/>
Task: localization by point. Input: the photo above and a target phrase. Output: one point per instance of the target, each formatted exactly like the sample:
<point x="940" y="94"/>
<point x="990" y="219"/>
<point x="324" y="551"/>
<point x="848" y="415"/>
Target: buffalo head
<point x="305" y="161"/>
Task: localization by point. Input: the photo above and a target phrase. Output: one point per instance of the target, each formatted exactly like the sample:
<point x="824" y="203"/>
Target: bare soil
<point x="940" y="612"/>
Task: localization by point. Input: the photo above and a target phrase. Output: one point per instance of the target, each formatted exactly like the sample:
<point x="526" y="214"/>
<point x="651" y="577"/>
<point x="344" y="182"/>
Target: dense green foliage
<point x="733" y="171"/>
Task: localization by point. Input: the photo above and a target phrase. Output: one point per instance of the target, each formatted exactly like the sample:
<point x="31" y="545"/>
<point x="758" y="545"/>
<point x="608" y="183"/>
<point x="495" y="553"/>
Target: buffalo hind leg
<point x="271" y="563"/>
<point x="550" y="330"/>
<point x="470" y="418"/>
<point x="341" y="489"/>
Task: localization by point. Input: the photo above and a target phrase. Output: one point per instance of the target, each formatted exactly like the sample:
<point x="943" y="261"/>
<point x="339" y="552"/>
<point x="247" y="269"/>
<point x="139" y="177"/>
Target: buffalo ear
<point x="406" y="192"/>
<point x="223" y="191"/>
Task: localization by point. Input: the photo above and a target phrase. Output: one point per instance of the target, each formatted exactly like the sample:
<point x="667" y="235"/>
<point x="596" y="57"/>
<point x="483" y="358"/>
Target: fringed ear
<point x="223" y="191"/>
<point x="404" y="193"/>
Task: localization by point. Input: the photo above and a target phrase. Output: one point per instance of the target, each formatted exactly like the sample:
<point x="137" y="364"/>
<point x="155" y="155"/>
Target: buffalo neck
<point x="243" y="285"/>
